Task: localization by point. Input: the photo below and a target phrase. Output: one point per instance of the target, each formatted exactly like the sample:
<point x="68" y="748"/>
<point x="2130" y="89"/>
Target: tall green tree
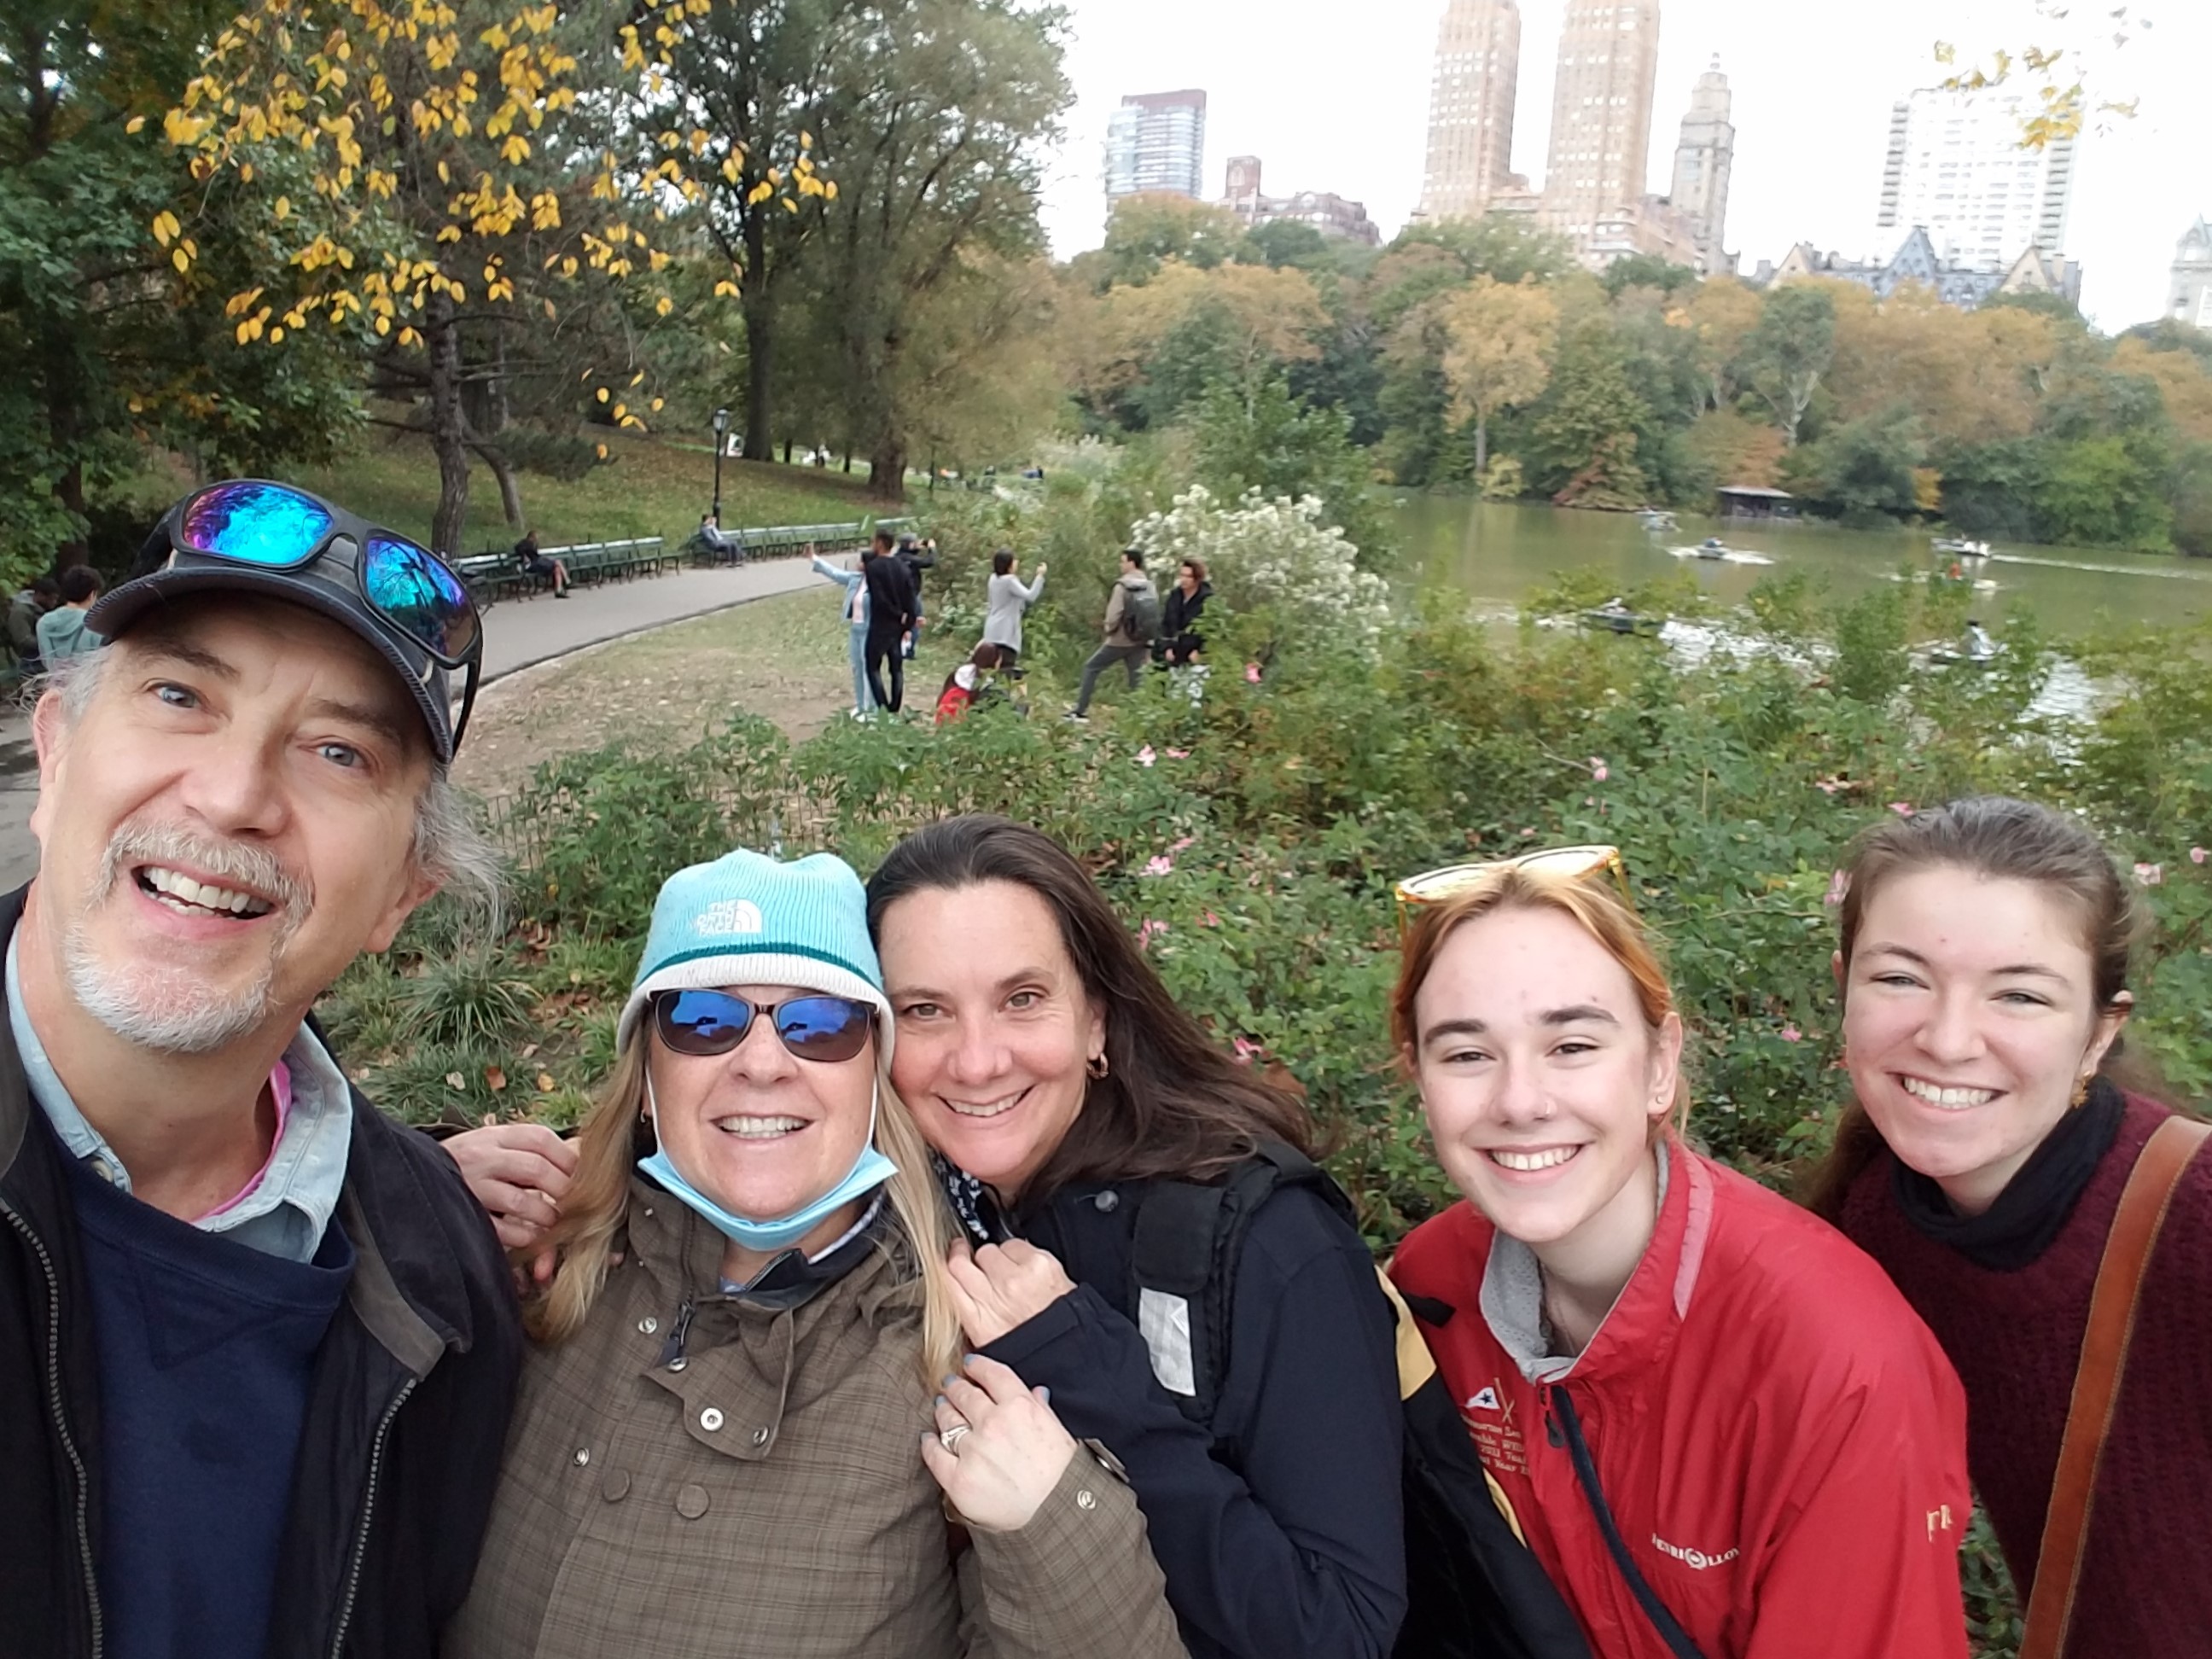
<point x="1790" y="352"/>
<point x="951" y="103"/>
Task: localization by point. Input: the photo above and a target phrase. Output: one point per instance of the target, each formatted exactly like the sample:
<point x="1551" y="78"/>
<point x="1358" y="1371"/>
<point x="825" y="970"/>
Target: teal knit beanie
<point x="747" y="919"/>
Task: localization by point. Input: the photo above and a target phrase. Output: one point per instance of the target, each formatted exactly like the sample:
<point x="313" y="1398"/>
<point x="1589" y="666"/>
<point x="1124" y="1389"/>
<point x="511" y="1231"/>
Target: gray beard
<point x="172" y="1009"/>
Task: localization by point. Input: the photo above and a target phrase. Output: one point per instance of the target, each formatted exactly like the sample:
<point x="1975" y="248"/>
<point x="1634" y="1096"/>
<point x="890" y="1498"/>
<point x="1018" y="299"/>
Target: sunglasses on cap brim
<point x="1575" y="863"/>
<point x="815" y="1026"/>
<point x="408" y="590"/>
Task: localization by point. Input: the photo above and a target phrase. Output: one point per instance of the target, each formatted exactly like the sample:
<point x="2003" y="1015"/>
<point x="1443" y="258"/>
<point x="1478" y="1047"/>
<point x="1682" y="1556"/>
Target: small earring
<point x="1098" y="1065"/>
<point x="2081" y="1089"/>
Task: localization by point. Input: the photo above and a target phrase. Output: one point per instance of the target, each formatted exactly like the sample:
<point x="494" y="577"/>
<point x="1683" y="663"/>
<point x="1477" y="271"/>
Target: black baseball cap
<point x="249" y="535"/>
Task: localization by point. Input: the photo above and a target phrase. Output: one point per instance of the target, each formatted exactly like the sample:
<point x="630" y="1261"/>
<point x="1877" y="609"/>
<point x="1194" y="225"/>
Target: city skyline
<point x="1809" y="150"/>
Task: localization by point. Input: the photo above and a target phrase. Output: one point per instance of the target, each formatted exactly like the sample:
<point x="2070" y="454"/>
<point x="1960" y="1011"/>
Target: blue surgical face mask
<point x="870" y="1171"/>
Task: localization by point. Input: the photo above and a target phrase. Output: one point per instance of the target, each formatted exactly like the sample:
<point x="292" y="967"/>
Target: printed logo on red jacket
<point x="1488" y="1414"/>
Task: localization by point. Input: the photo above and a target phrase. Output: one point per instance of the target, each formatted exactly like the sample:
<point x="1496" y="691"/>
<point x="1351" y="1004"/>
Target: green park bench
<point x="493" y="575"/>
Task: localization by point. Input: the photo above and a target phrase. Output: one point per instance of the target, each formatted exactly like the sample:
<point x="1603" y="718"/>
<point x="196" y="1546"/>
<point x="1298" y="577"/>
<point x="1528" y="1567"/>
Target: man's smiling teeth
<point x="760" y="1128"/>
<point x="1953" y="1098"/>
<point x="983" y="1108"/>
<point x="1550" y="1158"/>
<point x="186" y="892"/>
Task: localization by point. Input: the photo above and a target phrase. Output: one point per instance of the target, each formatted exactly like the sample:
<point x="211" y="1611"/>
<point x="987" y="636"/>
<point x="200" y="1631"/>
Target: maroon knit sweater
<point x="2146" y="1587"/>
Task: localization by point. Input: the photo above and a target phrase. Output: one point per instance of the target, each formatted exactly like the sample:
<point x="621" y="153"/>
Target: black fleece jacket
<point x="406" y="1416"/>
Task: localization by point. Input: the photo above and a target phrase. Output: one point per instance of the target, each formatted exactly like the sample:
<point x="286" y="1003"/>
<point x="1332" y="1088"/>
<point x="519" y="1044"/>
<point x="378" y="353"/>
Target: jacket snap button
<point x="710" y="1419"/>
<point x="691" y="1503"/>
<point x="1083" y="1500"/>
<point x="760" y="1436"/>
<point x="616" y="1487"/>
<point x="679" y="1363"/>
<point x="648" y="1326"/>
<point x="583" y="1456"/>
<point x="1108" y="1201"/>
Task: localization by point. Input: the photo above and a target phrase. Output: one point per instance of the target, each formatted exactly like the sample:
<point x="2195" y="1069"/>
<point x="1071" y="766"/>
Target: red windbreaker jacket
<point x="1781" y="1441"/>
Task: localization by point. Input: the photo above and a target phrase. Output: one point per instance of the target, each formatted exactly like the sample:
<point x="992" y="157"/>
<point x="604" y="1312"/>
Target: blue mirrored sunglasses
<point x="274" y="527"/>
<point x="813" y="1027"/>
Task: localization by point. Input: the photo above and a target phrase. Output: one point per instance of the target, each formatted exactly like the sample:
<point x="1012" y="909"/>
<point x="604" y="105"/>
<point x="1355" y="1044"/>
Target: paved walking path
<point x="518" y="634"/>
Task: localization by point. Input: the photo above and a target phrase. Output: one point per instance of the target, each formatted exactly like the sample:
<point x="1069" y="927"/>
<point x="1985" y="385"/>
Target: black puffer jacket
<point x="406" y="1415"/>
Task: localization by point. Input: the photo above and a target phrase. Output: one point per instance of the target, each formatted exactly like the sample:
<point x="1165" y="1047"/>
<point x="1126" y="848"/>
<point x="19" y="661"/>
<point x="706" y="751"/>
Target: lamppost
<point x="721" y="426"/>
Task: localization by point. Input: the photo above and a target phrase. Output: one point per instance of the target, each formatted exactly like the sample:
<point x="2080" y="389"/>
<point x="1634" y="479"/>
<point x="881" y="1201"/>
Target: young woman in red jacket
<point x="1984" y="973"/>
<point x="1721" y="1428"/>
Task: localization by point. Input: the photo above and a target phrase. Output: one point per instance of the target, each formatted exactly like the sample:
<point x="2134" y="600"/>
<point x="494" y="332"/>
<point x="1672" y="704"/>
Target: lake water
<point x="1502" y="553"/>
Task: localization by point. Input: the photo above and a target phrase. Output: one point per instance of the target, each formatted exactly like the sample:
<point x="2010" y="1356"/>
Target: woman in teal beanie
<point x="724" y="1441"/>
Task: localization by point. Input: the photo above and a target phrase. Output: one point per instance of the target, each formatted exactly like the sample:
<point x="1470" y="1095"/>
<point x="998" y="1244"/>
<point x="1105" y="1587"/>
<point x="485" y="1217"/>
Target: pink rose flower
<point x="1903" y="808"/>
<point x="1252" y="673"/>
<point x="1838" y="884"/>
<point x="1152" y="929"/>
<point x="1599" y="771"/>
<point x="2149" y="875"/>
<point x="1211" y="920"/>
<point x="2198" y="855"/>
<point x="1247" y="1050"/>
<point x="1791" y="1034"/>
<point x="1178" y="754"/>
<point x="1160" y="867"/>
<point x="1144" y="756"/>
<point x="1187" y="841"/>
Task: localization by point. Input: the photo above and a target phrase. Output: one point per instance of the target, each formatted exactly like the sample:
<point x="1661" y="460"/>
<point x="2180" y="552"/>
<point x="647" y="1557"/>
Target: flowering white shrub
<point x="1273" y="557"/>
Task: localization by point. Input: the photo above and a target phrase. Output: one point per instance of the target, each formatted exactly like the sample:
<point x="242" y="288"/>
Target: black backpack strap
<point x="1676" y="1639"/>
<point x="1189" y="1240"/>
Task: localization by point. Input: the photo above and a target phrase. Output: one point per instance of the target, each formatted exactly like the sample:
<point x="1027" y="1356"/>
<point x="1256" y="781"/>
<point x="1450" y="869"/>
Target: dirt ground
<point x="783" y="657"/>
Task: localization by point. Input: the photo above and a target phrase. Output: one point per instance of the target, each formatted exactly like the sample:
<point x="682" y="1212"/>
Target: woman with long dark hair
<point x="1987" y="1162"/>
<point x="1095" y="1135"/>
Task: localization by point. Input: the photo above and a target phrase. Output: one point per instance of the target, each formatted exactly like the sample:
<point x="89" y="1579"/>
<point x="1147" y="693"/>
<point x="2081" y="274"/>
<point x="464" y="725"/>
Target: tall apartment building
<point x="1956" y="168"/>
<point x="2189" y="299"/>
<point x="1471" y="108"/>
<point x="1156" y="143"/>
<point x="1703" y="160"/>
<point x="1600" y="114"/>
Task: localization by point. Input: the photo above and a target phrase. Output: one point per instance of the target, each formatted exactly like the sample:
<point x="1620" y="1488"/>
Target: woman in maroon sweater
<point x="1984" y="971"/>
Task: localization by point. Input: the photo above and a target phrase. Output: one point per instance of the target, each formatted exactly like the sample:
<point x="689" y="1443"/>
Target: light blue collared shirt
<point x="289" y="1208"/>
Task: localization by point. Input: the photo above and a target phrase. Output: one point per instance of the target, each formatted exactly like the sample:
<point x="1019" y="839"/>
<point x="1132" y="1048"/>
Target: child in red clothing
<point x="1720" y="1426"/>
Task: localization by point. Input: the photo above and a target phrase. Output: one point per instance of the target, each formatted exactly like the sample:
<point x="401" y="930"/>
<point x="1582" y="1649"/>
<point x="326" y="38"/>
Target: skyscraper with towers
<point x="1703" y="160"/>
<point x="1471" y="108"/>
<point x="1601" y="114"/>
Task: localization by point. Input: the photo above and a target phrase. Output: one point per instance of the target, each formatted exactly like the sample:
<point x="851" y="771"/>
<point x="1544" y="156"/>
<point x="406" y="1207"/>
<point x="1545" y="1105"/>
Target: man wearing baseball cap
<point x="257" y="1343"/>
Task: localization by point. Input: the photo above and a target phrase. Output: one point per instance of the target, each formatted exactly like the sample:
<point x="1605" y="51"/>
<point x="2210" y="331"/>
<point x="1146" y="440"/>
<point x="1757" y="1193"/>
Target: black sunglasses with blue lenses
<point x="273" y="526"/>
<point x="815" y="1026"/>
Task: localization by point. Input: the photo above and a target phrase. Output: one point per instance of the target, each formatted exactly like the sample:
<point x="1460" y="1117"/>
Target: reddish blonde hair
<point x="1594" y="908"/>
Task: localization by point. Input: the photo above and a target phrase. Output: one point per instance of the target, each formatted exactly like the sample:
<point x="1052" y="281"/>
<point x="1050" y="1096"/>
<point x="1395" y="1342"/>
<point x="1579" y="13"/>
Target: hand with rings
<point x="997" y="1450"/>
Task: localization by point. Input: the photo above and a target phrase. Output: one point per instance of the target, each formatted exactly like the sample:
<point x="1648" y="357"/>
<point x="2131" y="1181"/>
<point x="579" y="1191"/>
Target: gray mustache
<point x="247" y="866"/>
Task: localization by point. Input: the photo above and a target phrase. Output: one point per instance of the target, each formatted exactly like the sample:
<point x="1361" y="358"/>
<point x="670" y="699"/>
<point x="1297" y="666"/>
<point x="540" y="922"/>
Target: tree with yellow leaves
<point x="1501" y="336"/>
<point x="451" y="180"/>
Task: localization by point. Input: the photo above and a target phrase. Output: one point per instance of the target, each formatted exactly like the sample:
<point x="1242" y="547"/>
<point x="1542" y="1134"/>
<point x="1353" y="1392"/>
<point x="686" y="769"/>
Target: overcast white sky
<point x="1333" y="95"/>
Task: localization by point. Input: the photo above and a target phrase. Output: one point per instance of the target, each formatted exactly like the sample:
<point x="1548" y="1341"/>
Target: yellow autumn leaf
<point x="495" y="1079"/>
<point x="283" y="208"/>
<point x="601" y="451"/>
<point x="516" y="150"/>
<point x="663" y="306"/>
<point x="179" y="258"/>
<point x="135" y="124"/>
<point x="545" y="1084"/>
<point x="601" y="394"/>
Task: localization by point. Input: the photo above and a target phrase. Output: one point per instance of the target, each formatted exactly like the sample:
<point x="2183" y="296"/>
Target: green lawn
<point x="647" y="487"/>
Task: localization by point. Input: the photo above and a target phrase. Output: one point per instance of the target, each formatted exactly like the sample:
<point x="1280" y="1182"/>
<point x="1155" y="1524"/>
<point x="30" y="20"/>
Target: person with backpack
<point x="1720" y="1427"/>
<point x="1133" y="623"/>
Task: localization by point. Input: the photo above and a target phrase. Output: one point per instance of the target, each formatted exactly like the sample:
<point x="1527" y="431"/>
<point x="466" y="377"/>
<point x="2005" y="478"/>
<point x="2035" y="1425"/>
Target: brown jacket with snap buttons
<point x="694" y="1474"/>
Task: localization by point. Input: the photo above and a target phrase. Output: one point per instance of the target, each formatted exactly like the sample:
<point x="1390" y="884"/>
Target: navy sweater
<point x="206" y="1351"/>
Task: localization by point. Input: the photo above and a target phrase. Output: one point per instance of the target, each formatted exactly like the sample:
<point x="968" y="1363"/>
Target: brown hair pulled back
<point x="1596" y="909"/>
<point x="1988" y="838"/>
<point x="1171" y="1103"/>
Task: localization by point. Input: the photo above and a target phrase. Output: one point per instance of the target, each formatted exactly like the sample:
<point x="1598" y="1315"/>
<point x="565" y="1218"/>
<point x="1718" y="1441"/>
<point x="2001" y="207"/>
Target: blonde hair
<point x="597" y="1208"/>
<point x="1595" y="907"/>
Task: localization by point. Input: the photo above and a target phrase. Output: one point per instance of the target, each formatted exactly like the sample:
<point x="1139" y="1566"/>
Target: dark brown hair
<point x="1171" y="1103"/>
<point x="1990" y="838"/>
<point x="1197" y="569"/>
<point x="1002" y="561"/>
